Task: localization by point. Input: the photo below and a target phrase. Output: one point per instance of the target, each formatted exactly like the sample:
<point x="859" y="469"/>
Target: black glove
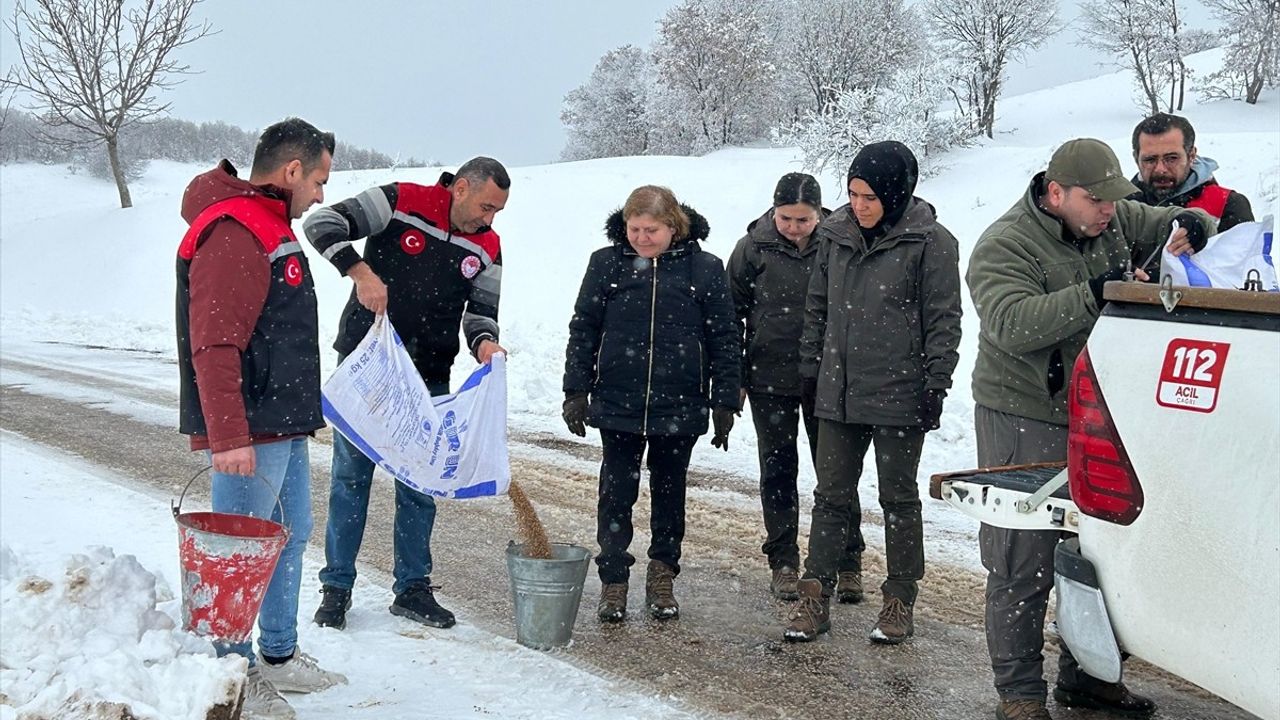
<point x="931" y="408"/>
<point x="1095" y="284"/>
<point x="808" y="395"/>
<point x="574" y="412"/>
<point x="722" y="421"/>
<point x="1190" y="222"/>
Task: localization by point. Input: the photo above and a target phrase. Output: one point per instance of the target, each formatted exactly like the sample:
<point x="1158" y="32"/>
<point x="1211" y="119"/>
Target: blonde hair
<point x="660" y="204"/>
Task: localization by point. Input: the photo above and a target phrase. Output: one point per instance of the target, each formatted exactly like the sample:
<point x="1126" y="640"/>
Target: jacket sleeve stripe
<point x="371" y="211"/>
<point x="288" y="248"/>
<point x="324" y="228"/>
<point x="336" y="248"/>
<point x="476" y="326"/>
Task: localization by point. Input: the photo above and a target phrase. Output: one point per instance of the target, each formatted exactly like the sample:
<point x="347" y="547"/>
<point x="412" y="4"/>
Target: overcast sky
<point x="439" y="80"/>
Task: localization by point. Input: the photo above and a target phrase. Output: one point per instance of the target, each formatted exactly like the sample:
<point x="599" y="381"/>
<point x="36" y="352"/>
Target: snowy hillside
<point x="77" y="269"/>
<point x="78" y="273"/>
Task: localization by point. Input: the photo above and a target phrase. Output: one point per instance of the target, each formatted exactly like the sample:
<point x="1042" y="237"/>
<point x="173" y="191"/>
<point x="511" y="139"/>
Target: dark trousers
<point x="777" y="422"/>
<point x="841" y="448"/>
<point x="1019" y="563"/>
<point x="668" y="463"/>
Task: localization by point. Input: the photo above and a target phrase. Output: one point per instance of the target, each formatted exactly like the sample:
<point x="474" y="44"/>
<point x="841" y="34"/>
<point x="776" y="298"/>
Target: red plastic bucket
<point x="226" y="562"/>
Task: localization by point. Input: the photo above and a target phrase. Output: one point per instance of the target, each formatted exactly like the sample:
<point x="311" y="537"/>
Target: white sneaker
<point x="300" y="675"/>
<point x="261" y="699"/>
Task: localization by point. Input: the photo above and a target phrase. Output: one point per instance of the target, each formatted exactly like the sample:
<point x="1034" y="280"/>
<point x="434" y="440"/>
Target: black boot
<point x="1114" y="698"/>
<point x="333" y="608"/>
<point x="418" y="603"/>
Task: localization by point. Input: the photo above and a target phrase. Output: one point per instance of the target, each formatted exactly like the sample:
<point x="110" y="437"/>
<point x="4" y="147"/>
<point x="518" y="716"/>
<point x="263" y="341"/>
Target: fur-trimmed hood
<point x="615" y="228"/>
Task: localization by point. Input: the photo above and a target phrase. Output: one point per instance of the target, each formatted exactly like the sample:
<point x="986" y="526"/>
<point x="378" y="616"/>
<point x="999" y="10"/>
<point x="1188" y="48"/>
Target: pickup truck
<point x="1172" y="487"/>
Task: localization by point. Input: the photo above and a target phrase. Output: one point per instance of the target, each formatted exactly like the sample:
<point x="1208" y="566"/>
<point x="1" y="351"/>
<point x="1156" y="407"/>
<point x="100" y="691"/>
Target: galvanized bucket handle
<point x="177" y="508"/>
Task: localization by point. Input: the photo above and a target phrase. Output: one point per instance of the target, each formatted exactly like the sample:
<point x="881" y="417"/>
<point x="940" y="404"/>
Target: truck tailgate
<point x="1197" y="408"/>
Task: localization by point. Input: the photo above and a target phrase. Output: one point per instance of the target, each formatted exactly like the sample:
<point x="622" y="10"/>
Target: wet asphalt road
<point x="724" y="657"/>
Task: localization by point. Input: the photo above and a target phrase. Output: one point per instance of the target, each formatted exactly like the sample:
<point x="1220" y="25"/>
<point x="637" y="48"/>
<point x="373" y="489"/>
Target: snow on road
<point x="397" y="669"/>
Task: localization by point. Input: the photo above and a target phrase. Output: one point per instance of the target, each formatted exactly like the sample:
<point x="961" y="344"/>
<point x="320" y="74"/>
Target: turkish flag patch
<point x="413" y="242"/>
<point x="293" y="271"/>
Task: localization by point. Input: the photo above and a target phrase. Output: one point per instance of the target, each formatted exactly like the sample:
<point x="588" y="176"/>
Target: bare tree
<point x="1131" y="32"/>
<point x="1252" y="61"/>
<point x="92" y="67"/>
<point x="983" y="36"/>
<point x="6" y="101"/>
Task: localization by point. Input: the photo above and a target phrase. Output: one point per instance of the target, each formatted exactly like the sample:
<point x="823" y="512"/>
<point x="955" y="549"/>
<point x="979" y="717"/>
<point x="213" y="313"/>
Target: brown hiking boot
<point x="895" y="624"/>
<point x="784" y="582"/>
<point x="811" y="616"/>
<point x="849" y="587"/>
<point x="658" y="593"/>
<point x="1022" y="710"/>
<point x="613" y="602"/>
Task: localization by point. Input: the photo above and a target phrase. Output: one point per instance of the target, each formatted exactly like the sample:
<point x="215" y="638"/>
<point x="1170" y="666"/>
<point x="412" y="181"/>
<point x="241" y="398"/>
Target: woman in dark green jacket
<point x="769" y="275"/>
<point x="880" y="340"/>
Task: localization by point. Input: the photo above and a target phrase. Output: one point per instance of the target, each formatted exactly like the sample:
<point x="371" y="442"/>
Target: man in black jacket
<point x="430" y="262"/>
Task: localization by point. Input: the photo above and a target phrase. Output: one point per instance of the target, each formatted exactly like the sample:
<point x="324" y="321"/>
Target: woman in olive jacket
<point x="653" y="352"/>
<point x="769" y="274"/>
<point x="880" y="340"/>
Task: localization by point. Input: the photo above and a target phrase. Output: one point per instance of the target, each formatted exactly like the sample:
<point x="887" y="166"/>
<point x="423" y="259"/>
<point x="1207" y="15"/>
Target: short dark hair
<point x="479" y="169"/>
<point x="797" y="187"/>
<point x="1161" y="123"/>
<point x="288" y="140"/>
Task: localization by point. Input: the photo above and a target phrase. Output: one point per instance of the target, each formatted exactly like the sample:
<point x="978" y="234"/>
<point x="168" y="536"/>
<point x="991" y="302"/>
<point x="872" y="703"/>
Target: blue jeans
<point x="350" y="480"/>
<point x="284" y="465"/>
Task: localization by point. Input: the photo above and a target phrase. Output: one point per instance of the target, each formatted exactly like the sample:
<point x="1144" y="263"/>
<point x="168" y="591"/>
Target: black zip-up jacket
<point x="653" y="341"/>
<point x="436" y="279"/>
<point x="769" y="276"/>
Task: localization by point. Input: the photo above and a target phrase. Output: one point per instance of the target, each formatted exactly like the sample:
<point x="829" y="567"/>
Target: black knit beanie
<point x="891" y="170"/>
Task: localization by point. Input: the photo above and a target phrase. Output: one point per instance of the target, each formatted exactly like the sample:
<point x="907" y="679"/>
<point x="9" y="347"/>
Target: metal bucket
<point x="546" y="593"/>
<point x="227" y="561"/>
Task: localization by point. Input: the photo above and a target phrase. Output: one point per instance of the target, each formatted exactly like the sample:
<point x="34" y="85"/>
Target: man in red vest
<point x="249" y="374"/>
<point x="1171" y="172"/>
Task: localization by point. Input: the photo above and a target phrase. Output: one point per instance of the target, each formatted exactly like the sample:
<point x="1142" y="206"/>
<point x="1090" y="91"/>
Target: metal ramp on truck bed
<point x="1020" y="497"/>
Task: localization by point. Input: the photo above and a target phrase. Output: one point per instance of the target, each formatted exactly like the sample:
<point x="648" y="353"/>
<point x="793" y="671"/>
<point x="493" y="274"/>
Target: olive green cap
<point x="1090" y="164"/>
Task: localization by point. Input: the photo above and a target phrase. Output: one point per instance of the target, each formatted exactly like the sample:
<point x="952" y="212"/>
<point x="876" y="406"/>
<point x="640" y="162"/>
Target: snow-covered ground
<point x="78" y="274"/>
<point x="95" y="628"/>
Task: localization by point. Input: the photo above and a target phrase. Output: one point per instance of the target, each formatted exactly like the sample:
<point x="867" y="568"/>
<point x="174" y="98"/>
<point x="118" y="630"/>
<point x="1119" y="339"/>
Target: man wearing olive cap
<point x="1036" y="277"/>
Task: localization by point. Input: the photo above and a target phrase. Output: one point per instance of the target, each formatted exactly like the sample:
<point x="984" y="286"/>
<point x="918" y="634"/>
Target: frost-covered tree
<point x="982" y="37"/>
<point x="94" y="66"/>
<point x="827" y="46"/>
<point x="1146" y="37"/>
<point x="716" y="83"/>
<point x="911" y="107"/>
<point x="605" y="116"/>
<point x="1251" y="64"/>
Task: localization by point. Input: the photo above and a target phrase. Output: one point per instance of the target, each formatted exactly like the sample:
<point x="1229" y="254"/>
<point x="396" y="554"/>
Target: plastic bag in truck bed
<point x="450" y="446"/>
<point x="1228" y="260"/>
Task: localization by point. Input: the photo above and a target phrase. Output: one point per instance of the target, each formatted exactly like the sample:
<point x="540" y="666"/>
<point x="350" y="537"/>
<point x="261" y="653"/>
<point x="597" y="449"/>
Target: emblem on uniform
<point x="470" y="266"/>
<point x="293" y="271"/>
<point x="413" y="242"/>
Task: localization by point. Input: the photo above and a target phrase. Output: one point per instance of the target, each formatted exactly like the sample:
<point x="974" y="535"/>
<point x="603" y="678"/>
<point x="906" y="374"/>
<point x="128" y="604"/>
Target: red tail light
<point x="1103" y="483"/>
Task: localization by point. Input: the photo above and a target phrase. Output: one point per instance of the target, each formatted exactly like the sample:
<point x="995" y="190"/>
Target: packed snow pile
<point x="86" y="641"/>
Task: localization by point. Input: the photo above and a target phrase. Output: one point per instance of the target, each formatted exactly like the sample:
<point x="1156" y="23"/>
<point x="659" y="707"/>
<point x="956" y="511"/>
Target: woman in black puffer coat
<point x="653" y="353"/>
